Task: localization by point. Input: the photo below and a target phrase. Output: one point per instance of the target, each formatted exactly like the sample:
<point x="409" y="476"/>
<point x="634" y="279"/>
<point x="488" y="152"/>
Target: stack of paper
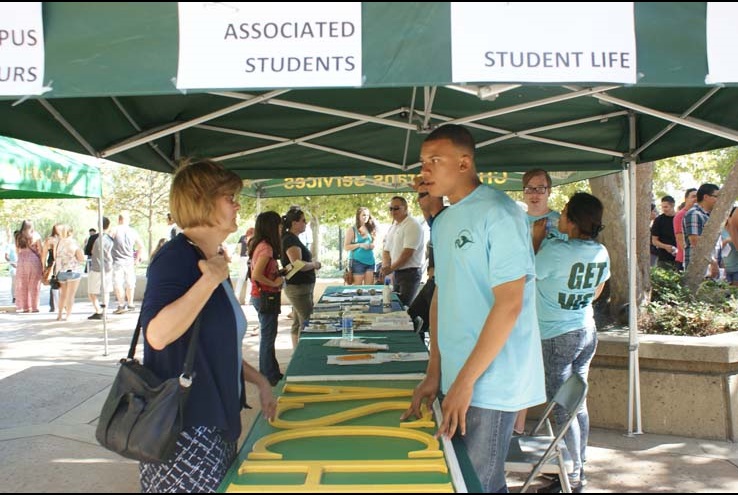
<point x="377" y="358"/>
<point x="356" y="344"/>
<point x="293" y="268"/>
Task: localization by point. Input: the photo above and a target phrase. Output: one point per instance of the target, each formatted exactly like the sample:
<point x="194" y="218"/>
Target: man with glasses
<point x="536" y="192"/>
<point x="695" y="220"/>
<point x="403" y="251"/>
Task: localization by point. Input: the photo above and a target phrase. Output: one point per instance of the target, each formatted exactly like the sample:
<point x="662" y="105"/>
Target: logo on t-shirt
<point x="463" y="240"/>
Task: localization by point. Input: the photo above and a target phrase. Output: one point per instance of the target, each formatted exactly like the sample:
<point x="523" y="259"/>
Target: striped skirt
<point x="200" y="463"/>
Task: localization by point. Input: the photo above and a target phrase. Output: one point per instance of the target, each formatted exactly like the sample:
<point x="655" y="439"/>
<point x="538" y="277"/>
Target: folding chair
<point x="547" y="453"/>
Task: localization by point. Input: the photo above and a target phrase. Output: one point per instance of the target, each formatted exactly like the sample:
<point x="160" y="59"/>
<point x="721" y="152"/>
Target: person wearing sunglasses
<point x="403" y="251"/>
<point x="485" y="348"/>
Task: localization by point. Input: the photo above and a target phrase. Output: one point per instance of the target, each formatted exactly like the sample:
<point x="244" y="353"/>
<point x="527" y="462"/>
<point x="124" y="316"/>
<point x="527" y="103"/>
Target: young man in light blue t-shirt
<point x="485" y="346"/>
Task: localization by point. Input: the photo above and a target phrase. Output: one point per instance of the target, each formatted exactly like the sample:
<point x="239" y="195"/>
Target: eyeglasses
<point x="395" y="208"/>
<point x="535" y="190"/>
<point x="421" y="195"/>
<point x="714" y="195"/>
<point x="295" y="208"/>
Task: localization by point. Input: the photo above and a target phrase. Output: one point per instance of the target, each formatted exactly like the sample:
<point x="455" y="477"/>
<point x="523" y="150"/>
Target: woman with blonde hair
<point x="188" y="277"/>
<point x="69" y="259"/>
<point x="360" y="245"/>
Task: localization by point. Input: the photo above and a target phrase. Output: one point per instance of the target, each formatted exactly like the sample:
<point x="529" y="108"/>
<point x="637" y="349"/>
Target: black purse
<point x="143" y="415"/>
<point x="270" y="303"/>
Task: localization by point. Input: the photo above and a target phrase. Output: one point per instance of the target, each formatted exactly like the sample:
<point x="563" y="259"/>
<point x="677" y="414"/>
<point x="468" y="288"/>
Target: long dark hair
<point x="267" y="228"/>
<point x="370" y="225"/>
<point x="585" y="211"/>
<point x="23" y="238"/>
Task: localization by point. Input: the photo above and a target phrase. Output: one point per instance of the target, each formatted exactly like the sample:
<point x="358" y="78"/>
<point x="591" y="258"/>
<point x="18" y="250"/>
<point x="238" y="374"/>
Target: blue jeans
<point x="570" y="353"/>
<point x="487" y="440"/>
<point x="268" y="365"/>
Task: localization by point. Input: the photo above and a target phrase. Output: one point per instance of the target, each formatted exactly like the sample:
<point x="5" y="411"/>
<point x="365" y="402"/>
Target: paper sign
<point x="543" y="42"/>
<point x="722" y="42"/>
<point x="269" y="45"/>
<point x="21" y="49"/>
<point x="377" y="358"/>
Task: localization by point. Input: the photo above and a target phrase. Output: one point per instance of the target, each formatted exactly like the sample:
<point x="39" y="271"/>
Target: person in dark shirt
<point x="431" y="207"/>
<point x="300" y="287"/>
<point x="662" y="235"/>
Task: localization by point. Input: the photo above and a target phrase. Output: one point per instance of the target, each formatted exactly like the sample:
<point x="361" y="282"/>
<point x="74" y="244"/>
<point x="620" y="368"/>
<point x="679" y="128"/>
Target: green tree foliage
<point x="142" y="192"/>
<point x="674" y="175"/>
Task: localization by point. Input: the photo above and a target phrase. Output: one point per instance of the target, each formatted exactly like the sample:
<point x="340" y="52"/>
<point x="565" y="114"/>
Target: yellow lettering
<point x="315" y="470"/>
<point x="289" y="183"/>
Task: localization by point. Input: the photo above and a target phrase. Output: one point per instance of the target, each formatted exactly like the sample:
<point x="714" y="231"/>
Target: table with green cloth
<point x="309" y="359"/>
<point x="345" y="436"/>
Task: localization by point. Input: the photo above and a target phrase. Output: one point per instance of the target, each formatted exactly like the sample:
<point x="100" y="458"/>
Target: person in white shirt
<point x="403" y="252"/>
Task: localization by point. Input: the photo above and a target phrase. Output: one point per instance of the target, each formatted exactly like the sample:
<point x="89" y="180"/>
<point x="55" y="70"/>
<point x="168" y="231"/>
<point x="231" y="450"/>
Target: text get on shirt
<point x="582" y="276"/>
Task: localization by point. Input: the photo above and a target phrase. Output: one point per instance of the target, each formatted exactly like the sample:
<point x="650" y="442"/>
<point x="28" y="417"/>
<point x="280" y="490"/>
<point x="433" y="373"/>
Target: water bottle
<point x="347" y="327"/>
<point x="387" y="292"/>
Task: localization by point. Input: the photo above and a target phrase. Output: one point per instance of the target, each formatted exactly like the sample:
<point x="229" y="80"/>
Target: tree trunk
<point x="610" y="190"/>
<point x="315" y="227"/>
<point x="702" y="253"/>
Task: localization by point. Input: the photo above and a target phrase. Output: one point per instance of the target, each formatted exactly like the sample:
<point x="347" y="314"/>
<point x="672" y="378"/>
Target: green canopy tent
<point x="29" y="171"/>
<point x="111" y="69"/>
<point x="397" y="183"/>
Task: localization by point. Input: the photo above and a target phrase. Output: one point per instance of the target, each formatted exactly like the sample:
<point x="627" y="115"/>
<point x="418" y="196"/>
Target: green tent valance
<point x="28" y="170"/>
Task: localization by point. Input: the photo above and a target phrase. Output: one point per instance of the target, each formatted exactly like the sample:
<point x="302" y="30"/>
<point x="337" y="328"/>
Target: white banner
<point x="722" y="42"/>
<point x="21" y="49"/>
<point x="269" y="45"/>
<point x="543" y="42"/>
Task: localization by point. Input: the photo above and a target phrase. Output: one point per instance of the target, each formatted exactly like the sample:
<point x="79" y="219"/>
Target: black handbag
<point x="270" y="303"/>
<point x="143" y="415"/>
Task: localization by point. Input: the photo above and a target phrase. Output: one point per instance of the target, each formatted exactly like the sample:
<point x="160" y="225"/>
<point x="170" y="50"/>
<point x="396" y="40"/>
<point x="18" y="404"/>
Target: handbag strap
<point x="191" y="349"/>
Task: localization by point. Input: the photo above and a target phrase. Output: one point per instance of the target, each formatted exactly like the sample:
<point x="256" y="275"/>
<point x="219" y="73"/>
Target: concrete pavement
<point x="54" y="377"/>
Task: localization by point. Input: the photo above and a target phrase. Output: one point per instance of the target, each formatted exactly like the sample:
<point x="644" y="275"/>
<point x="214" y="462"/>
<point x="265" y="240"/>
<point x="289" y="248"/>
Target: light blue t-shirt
<point x="240" y="327"/>
<point x="567" y="276"/>
<point x="552" y="225"/>
<point x="479" y="243"/>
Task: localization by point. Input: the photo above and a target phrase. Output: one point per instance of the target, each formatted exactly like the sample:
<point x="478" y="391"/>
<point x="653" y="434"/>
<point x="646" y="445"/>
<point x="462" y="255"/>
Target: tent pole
<point x="634" y="392"/>
<point x="100" y="237"/>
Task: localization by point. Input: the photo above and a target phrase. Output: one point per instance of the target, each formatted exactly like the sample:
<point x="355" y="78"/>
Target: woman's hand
<point x="214" y="269"/>
<point x="268" y="401"/>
